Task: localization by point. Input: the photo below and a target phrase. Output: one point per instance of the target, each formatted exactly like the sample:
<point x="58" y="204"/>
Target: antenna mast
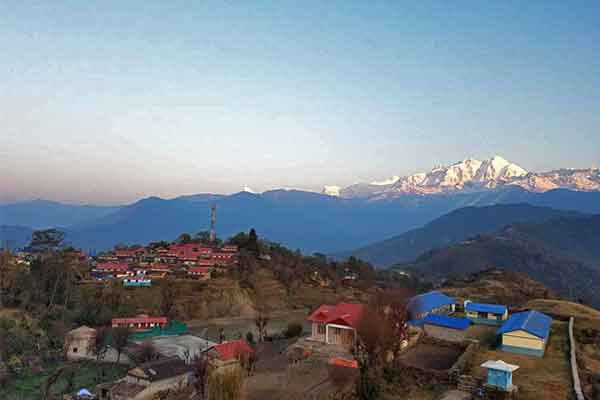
<point x="213" y="221"/>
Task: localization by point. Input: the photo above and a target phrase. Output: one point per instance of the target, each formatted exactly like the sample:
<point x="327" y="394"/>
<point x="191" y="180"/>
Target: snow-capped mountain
<point x="471" y="175"/>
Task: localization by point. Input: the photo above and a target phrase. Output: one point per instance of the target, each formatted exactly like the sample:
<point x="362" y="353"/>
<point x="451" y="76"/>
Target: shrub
<point x="294" y="329"/>
<point x="226" y="385"/>
<point x="249" y="337"/>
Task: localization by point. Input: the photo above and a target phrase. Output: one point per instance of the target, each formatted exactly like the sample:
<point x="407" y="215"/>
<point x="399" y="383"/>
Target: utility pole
<point x="213" y="222"/>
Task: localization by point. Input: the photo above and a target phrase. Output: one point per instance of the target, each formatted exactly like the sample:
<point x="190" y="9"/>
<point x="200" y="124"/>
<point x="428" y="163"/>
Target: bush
<point x="249" y="337"/>
<point x="227" y="385"/>
<point x="294" y="329"/>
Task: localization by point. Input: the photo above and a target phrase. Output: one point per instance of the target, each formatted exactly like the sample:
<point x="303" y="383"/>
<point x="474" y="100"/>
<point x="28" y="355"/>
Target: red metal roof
<point x="112" y="266"/>
<point x="233" y="349"/>
<point x="343" y="363"/>
<point x="342" y="314"/>
<point x="140" y="319"/>
<point x="198" y="270"/>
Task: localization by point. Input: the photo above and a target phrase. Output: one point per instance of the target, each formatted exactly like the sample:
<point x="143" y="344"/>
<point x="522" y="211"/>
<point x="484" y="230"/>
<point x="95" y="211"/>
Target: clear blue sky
<point x="109" y="101"/>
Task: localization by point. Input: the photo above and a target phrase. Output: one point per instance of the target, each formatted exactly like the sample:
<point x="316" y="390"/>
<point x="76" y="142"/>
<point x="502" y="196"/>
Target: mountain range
<point x="561" y="253"/>
<point x="305" y="220"/>
<point x="471" y="175"/>
<point x="451" y="228"/>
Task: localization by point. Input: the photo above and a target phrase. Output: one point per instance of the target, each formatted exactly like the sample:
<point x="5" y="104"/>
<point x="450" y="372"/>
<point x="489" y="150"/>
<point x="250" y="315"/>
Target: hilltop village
<point x="126" y="325"/>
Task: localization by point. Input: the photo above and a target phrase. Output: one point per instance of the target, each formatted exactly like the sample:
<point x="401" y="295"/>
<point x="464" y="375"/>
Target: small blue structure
<point x="446" y="322"/>
<point x="525" y="333"/>
<point x="431" y="302"/>
<point x="137" y="282"/>
<point x="450" y="329"/>
<point x="488" y="314"/>
<point x="499" y="375"/>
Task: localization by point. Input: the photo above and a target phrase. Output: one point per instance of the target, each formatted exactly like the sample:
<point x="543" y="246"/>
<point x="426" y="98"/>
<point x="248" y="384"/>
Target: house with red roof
<point x="140" y="322"/>
<point x="202" y="273"/>
<point x="115" y="267"/>
<point x="336" y="324"/>
<point x="231" y="350"/>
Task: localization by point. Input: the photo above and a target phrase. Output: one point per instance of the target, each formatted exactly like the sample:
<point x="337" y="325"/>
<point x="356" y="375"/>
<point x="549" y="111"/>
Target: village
<point x="433" y="345"/>
<point x="471" y="349"/>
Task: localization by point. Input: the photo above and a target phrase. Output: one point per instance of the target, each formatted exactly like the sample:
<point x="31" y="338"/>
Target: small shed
<point x="488" y="314"/>
<point x="499" y="374"/>
<point x="442" y="327"/>
<point x="525" y="333"/>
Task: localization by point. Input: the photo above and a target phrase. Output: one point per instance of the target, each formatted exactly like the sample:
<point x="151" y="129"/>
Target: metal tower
<point x="213" y="221"/>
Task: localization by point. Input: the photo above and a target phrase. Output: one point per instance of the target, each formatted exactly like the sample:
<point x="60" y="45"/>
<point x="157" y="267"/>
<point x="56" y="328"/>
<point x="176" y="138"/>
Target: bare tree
<point x="99" y="342"/>
<point x="120" y="338"/>
<point x="261" y="320"/>
<point x="381" y="330"/>
<point x="201" y="372"/>
<point x="147" y="352"/>
<point x="168" y="297"/>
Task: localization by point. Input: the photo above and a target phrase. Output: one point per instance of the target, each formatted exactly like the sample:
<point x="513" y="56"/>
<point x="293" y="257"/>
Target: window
<point x="74" y="349"/>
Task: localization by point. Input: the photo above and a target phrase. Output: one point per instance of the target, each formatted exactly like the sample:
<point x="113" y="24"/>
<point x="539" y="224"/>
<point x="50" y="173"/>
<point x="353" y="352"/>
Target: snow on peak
<point x="498" y="169"/>
<point x="389" y="181"/>
<point x="248" y="190"/>
<point x="332" y="190"/>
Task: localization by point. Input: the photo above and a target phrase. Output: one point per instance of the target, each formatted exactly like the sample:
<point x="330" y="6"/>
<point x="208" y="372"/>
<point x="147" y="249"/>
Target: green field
<point x="87" y="375"/>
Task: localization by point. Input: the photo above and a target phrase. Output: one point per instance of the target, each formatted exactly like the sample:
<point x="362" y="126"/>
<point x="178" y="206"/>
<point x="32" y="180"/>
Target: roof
<point x="229" y="350"/>
<point x="500" y="366"/>
<point x="161" y="369"/>
<point x="199" y="270"/>
<point x="447" y="322"/>
<point x="487" y="308"/>
<point x="343" y="363"/>
<point x="112" y="266"/>
<point x="82" y="330"/>
<point x="140" y="319"/>
<point x="344" y="313"/>
<point x="534" y="322"/>
<point x="126" y="389"/>
<point x="428" y="301"/>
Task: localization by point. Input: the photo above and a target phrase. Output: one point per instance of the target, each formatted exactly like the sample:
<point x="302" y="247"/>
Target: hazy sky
<point x="106" y="102"/>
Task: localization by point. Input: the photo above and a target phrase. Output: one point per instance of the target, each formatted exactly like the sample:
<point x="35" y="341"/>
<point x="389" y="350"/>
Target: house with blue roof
<point x="431" y="302"/>
<point x="488" y="314"/>
<point x="525" y="333"/>
<point x="451" y="329"/>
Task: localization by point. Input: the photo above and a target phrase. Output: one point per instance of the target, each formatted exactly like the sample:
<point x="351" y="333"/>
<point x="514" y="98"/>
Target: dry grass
<point x="547" y="378"/>
<point x="563" y="308"/>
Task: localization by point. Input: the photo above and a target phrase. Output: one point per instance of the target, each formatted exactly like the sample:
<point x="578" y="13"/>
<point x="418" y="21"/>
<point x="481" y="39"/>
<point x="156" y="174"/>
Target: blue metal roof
<point x="428" y="301"/>
<point x="447" y="322"/>
<point x="487" y="308"/>
<point x="534" y="322"/>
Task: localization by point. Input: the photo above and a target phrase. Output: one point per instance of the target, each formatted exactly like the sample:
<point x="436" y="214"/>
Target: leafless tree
<point x="381" y="330"/>
<point x="147" y="352"/>
<point x="201" y="371"/>
<point x="99" y="342"/>
<point x="120" y="338"/>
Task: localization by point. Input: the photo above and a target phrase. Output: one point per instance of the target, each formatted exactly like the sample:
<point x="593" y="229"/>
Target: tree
<point x="184" y="238"/>
<point x="168" y="298"/>
<point x="99" y="342"/>
<point x="147" y="352"/>
<point x="261" y="320"/>
<point x="381" y="331"/>
<point x="46" y="240"/>
<point x="201" y="371"/>
<point x="120" y="338"/>
<point x="252" y="245"/>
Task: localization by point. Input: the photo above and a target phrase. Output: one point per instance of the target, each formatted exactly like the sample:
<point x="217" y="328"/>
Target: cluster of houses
<point x="524" y="332"/>
<point x="138" y="267"/>
<point x="172" y="368"/>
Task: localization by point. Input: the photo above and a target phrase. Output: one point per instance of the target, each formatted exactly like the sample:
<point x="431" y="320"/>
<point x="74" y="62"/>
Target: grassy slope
<point x="88" y="376"/>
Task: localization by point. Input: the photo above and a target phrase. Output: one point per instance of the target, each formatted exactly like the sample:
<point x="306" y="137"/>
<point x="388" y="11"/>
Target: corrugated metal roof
<point x="428" y="301"/>
<point x="447" y="322"/>
<point x="534" y="322"/>
<point x="488" y="308"/>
